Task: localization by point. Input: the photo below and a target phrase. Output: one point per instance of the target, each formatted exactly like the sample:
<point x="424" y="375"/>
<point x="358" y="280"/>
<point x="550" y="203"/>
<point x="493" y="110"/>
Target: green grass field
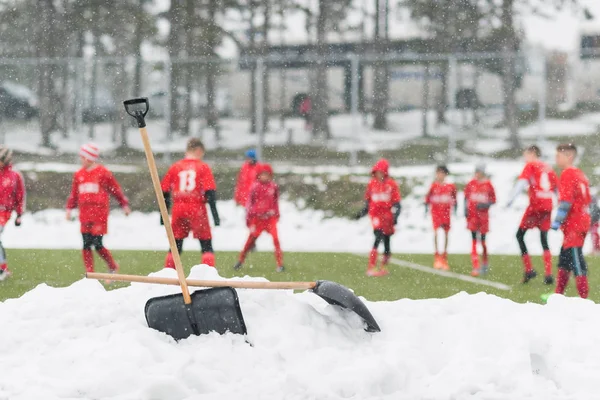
<point x="63" y="267"/>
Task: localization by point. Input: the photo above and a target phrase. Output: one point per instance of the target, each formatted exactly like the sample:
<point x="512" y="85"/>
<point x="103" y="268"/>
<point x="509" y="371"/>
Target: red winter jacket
<point x="12" y="192"/>
<point x="245" y="179"/>
<point x="263" y="200"/>
<point x="91" y="190"/>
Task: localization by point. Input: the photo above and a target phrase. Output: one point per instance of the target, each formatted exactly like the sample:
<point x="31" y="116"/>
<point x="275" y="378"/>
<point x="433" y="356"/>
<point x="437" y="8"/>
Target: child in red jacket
<point x="480" y="195"/>
<point x="382" y="203"/>
<point x="92" y="187"/>
<point x="262" y="213"/>
<point x="246" y="178"/>
<point x="12" y="198"/>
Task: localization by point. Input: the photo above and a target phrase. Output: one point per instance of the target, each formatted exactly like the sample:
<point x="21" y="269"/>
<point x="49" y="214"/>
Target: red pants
<point x="536" y="219"/>
<point x="96" y="228"/>
<point x="479" y="223"/>
<point x="196" y="222"/>
<point x="383" y="222"/>
<point x="257" y="227"/>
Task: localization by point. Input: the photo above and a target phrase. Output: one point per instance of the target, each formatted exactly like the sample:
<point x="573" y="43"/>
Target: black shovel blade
<point x="212" y="310"/>
<point x="339" y="295"/>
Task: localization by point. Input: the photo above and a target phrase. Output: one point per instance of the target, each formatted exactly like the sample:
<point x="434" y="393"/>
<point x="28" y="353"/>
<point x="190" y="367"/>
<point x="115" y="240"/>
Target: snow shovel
<point x="331" y="292"/>
<point x="181" y="315"/>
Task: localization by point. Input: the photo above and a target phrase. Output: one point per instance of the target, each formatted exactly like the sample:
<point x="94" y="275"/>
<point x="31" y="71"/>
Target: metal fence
<point x="78" y="98"/>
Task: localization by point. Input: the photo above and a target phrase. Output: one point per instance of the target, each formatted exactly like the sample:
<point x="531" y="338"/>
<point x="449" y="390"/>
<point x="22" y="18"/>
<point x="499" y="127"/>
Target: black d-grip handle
<point x="137" y="108"/>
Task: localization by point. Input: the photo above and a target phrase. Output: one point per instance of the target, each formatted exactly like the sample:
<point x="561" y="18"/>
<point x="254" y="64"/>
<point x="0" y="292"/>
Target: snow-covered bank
<point x="82" y="342"/>
<point x="347" y="133"/>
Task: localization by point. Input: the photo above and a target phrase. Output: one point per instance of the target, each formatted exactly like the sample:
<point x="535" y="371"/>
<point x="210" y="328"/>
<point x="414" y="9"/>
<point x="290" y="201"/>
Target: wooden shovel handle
<point x="162" y="205"/>
<point x="202" y="283"/>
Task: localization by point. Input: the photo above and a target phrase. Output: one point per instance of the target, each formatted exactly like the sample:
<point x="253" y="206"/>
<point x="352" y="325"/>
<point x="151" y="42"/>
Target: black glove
<point x="18" y="220"/>
<point x="395" y="221"/>
<point x="483" y="206"/>
<point x="211" y="199"/>
<point x="363" y="212"/>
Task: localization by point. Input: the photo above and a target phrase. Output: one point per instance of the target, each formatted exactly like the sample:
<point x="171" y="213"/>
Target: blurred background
<point x="306" y="81"/>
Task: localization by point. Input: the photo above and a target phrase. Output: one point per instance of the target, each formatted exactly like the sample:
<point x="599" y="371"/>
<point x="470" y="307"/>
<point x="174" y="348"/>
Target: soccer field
<point x="63" y="267"/>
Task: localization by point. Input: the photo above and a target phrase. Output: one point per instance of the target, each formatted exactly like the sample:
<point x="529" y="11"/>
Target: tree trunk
<point x="187" y="68"/>
<point x="252" y="53"/>
<point x="425" y="101"/>
<point x="44" y="50"/>
<point x="442" y="104"/>
<point x="263" y="52"/>
<point x="508" y="73"/>
<point x="380" y="100"/>
<point x="381" y="72"/>
<point x="92" y="96"/>
<point x="320" y="101"/>
<point x="137" y="45"/>
<point x="212" y="116"/>
<point x="174" y="48"/>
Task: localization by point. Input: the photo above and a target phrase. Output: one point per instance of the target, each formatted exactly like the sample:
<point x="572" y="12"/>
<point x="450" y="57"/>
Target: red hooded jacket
<point x="245" y="179"/>
<point x="263" y="199"/>
<point x="382" y="195"/>
<point x="12" y="194"/>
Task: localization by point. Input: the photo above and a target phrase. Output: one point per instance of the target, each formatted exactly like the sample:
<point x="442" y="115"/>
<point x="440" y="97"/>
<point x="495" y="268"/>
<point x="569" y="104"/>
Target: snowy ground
<point x="305" y="229"/>
<point x="348" y="134"/>
<point x="82" y="342"/>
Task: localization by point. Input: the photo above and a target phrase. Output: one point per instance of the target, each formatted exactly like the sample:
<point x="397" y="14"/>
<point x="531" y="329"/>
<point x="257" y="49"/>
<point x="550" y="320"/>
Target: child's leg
<point x="547" y="255"/>
<point x="435" y="242"/>
<point x="275" y="235"/>
<point x="249" y="243"/>
<point x="169" y="261"/>
<point x="3" y="261"/>
<point x="88" y="256"/>
<point x="373" y="256"/>
<point x="595" y="236"/>
<point x="208" y="256"/>
<point x="446" y="238"/>
<point x="484" y="254"/>
<point x="474" y="255"/>
<point x="104" y="253"/>
<point x="564" y="270"/>
<point x="524" y="252"/>
<point x="387" y="249"/>
<point x="580" y="271"/>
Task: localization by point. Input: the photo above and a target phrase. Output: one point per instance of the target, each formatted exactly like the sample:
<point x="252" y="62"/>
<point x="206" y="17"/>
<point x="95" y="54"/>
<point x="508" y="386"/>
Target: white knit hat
<point x="89" y="151"/>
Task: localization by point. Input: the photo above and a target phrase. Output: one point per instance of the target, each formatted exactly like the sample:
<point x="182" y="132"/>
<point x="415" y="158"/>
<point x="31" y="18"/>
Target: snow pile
<point x="82" y="342"/>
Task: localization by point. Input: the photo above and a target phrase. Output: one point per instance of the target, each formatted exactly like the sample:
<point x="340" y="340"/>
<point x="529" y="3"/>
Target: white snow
<point x="83" y="342"/>
<point x="304" y="229"/>
<point x="347" y="132"/>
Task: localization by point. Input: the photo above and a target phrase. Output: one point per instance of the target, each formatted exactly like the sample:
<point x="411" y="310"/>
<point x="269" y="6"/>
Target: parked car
<point x="223" y="103"/>
<point x="17" y="101"/>
<point x="103" y="109"/>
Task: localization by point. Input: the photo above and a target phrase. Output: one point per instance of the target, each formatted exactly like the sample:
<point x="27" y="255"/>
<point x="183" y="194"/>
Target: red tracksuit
<point x="90" y="192"/>
<point x="477" y="192"/>
<point x="382" y="196"/>
<point x="246" y="178"/>
<point x="542" y="184"/>
<point x="442" y="198"/>
<point x="12" y="198"/>
<point x="12" y="195"/>
<point x="574" y="188"/>
<point x="262" y="216"/>
<point x="187" y="180"/>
